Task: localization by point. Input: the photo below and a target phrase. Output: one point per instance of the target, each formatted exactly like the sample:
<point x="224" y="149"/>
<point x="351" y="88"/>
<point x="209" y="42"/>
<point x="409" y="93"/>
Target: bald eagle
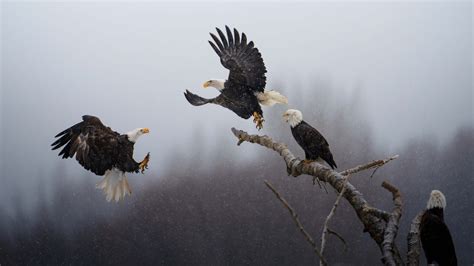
<point x="434" y="233"/>
<point x="104" y="152"/>
<point x="244" y="90"/>
<point x="315" y="146"/>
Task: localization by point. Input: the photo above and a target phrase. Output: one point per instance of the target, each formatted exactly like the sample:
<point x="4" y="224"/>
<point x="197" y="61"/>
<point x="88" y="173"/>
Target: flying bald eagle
<point x="244" y="90"/>
<point x="315" y="146"/>
<point x="435" y="237"/>
<point x="104" y="152"/>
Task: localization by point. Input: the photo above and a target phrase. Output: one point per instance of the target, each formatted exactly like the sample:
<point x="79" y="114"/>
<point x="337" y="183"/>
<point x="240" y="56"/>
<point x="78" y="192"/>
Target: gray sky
<point x="129" y="63"/>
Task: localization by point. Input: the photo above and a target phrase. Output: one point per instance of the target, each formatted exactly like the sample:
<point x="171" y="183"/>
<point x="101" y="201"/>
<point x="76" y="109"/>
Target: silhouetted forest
<point x="215" y="210"/>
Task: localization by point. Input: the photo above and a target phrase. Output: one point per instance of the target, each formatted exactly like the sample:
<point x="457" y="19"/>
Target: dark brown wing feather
<point x="96" y="147"/>
<point x="242" y="59"/>
<point x="313" y="143"/>
<point x="246" y="76"/>
<point x="436" y="239"/>
<point x="243" y="104"/>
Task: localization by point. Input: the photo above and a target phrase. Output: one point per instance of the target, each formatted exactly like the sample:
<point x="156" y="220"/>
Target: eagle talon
<point x="305" y="161"/>
<point x="144" y="164"/>
<point x="241" y="140"/>
<point x="258" y="120"/>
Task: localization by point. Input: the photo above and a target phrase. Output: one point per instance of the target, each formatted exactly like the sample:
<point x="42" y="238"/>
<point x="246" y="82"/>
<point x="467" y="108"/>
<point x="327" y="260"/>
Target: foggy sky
<point x="130" y="63"/>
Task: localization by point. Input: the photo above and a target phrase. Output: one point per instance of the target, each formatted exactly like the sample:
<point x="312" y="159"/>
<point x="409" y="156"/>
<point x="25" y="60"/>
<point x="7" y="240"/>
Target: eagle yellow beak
<point x="206" y="84"/>
<point x="146" y="130"/>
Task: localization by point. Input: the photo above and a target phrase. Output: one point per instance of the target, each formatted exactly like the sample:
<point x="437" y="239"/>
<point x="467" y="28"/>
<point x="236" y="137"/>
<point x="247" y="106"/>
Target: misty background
<point x="376" y="79"/>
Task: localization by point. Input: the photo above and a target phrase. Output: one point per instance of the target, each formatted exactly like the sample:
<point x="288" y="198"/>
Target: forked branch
<point x="374" y="164"/>
<point x="294" y="215"/>
<point x="374" y="220"/>
<point x="326" y="229"/>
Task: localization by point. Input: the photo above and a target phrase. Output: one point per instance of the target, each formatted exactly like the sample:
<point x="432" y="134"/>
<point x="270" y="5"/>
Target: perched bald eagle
<point x="315" y="146"/>
<point x="244" y="90"/>
<point x="104" y="152"/>
<point x="434" y="233"/>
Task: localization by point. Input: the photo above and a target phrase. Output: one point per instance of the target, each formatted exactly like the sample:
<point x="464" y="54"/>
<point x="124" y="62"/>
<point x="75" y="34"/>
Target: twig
<point x="330" y="215"/>
<point x="414" y="245"/>
<point x="338" y="236"/>
<point x="294" y="215"/>
<point x="373" y="173"/>
<point x="376" y="163"/>
<point x="391" y="230"/>
<point x="319" y="183"/>
<point x="321" y="186"/>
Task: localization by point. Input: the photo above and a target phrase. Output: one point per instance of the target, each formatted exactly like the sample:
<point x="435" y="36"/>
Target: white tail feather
<point x="114" y="185"/>
<point x="269" y="98"/>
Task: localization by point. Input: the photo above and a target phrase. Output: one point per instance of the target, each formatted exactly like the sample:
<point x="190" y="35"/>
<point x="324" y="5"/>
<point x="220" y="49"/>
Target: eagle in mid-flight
<point x="104" y="152"/>
<point x="244" y="90"/>
<point x="315" y="146"/>
<point x="434" y="233"/>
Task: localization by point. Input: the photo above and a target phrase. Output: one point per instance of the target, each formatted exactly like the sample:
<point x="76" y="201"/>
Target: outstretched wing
<point x="238" y="107"/>
<point x="94" y="144"/>
<point x="242" y="59"/>
<point x="196" y="100"/>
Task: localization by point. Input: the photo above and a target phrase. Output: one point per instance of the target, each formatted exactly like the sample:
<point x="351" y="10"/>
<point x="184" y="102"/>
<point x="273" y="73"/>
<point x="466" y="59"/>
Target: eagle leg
<point x="144" y="164"/>
<point x="258" y="120"/>
<point x="305" y="161"/>
<point x="241" y="140"/>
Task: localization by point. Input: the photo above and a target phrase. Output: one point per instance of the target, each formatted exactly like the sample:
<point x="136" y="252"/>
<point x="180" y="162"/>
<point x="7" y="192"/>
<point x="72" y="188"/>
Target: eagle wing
<point x="95" y="145"/>
<point x="313" y="143"/>
<point x="237" y="104"/>
<point x="247" y="70"/>
<point x="241" y="107"/>
<point x="436" y="240"/>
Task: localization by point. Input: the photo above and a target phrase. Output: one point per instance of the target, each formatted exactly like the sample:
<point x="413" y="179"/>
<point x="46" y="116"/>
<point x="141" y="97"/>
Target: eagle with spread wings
<point x="104" y="152"/>
<point x="244" y="90"/>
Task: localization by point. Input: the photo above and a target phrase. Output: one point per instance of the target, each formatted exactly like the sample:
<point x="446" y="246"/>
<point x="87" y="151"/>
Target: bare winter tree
<point x="381" y="225"/>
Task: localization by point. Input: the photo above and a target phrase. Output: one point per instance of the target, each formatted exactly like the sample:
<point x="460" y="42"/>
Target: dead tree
<point x="381" y="225"/>
<point x="414" y="243"/>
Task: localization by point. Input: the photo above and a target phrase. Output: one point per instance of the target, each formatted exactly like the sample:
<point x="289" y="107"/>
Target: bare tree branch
<point x="388" y="244"/>
<point x="330" y="215"/>
<point x="378" y="213"/>
<point x="294" y="215"/>
<point x="375" y="225"/>
<point x="374" y="164"/>
<point x="414" y="244"/>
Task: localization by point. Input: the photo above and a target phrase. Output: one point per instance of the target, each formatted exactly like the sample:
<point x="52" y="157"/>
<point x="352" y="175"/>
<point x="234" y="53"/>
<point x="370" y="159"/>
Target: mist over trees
<point x="208" y="208"/>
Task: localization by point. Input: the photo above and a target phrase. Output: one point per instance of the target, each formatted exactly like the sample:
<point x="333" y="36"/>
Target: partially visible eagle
<point x="315" y="146"/>
<point x="104" y="152"/>
<point x="244" y="90"/>
<point x="434" y="233"/>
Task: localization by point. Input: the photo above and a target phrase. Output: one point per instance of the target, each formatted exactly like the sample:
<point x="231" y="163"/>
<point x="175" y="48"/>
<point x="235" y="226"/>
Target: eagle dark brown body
<point x="104" y="152"/>
<point x="315" y="146"/>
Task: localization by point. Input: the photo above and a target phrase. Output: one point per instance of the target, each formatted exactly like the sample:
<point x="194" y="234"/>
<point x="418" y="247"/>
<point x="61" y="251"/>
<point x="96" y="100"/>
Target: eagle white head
<point x="293" y="117"/>
<point x="437" y="200"/>
<point x="136" y="133"/>
<point x="214" y="83"/>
